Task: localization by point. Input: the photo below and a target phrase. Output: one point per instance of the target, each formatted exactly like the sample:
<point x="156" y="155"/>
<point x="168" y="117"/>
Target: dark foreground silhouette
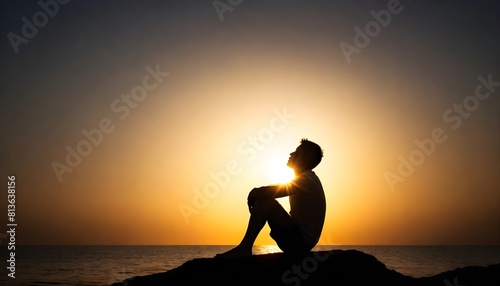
<point x="335" y="267"/>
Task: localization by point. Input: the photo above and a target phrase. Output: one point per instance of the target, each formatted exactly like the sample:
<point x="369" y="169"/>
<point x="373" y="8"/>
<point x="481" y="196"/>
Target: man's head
<point x="306" y="157"/>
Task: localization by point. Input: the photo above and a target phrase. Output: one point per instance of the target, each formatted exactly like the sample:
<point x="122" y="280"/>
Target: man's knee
<point x="268" y="203"/>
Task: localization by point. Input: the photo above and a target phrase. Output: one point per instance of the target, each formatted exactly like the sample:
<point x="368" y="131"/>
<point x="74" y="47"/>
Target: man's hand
<point x="252" y="197"/>
<point x="255" y="193"/>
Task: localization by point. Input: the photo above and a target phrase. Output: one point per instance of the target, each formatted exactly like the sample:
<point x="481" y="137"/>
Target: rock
<point x="335" y="267"/>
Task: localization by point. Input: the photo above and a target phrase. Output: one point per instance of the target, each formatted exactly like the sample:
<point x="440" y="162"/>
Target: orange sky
<point x="239" y="96"/>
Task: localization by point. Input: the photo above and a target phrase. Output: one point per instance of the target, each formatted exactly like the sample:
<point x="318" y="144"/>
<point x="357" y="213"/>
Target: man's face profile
<point x="295" y="156"/>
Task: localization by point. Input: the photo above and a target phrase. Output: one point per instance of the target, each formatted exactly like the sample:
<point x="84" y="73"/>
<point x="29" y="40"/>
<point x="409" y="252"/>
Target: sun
<point x="277" y="170"/>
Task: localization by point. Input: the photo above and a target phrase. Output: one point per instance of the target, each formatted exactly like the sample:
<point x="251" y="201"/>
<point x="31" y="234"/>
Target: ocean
<point x="103" y="265"/>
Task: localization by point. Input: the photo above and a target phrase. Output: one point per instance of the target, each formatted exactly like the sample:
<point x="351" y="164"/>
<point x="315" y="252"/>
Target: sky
<point x="148" y="122"/>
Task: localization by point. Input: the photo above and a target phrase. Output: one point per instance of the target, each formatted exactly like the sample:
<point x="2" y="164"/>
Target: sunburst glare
<point x="278" y="171"/>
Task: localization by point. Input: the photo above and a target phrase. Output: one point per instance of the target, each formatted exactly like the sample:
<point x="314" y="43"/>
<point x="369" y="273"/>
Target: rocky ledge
<point x="335" y="267"/>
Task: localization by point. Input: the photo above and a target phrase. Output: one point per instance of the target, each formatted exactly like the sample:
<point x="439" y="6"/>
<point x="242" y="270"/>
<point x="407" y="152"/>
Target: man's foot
<point x="238" y="251"/>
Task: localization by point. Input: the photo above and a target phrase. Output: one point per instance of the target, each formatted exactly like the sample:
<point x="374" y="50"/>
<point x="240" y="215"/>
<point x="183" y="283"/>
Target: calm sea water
<point x="103" y="265"/>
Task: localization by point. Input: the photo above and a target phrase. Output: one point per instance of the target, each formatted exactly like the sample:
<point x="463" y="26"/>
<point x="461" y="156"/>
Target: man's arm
<point x="270" y="192"/>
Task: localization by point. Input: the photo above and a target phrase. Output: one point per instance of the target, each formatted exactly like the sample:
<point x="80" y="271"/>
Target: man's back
<point x="308" y="206"/>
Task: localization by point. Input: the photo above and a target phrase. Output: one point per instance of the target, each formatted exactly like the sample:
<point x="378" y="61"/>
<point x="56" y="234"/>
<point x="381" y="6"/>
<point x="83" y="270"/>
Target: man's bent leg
<point x="268" y="210"/>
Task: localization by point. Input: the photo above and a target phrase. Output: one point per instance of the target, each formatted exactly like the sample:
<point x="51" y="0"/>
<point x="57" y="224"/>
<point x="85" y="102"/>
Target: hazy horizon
<point x="258" y="245"/>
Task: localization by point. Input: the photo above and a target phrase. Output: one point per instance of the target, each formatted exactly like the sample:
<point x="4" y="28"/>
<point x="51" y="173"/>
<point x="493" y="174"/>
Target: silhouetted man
<point x="298" y="232"/>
